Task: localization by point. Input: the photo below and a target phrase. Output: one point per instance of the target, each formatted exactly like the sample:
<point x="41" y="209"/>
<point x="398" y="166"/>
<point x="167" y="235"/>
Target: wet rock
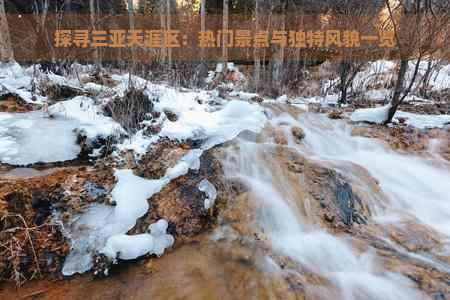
<point x="346" y="200"/>
<point x="398" y="137"/>
<point x="161" y="156"/>
<point x="198" y="270"/>
<point x="415" y="237"/>
<point x="171" y="116"/>
<point x="182" y="203"/>
<point x="298" y="133"/>
<point x="336" y="202"/>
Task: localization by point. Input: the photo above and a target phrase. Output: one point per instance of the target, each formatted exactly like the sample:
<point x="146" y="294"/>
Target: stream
<point x="414" y="188"/>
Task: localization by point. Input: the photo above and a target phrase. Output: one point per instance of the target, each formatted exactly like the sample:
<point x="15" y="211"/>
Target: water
<point x="415" y="188"/>
<point x="415" y="185"/>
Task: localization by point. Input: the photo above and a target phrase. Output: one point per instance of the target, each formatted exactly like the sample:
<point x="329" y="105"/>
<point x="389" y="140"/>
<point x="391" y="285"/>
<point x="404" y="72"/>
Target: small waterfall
<point x="417" y="186"/>
<point x="352" y="274"/>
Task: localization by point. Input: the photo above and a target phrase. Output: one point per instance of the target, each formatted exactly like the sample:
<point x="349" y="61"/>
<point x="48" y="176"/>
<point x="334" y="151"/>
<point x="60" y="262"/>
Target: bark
<point x="395" y="102"/>
<point x="169" y="23"/>
<point x="262" y="7"/>
<point x="68" y="6"/>
<point x="344" y="70"/>
<point x="6" y="51"/>
<point x="92" y="10"/>
<point x="278" y="23"/>
<point x="225" y="27"/>
<point x="400" y="93"/>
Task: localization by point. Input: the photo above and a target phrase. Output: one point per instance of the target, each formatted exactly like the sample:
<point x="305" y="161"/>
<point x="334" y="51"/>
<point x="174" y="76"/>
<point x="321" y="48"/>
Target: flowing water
<point x="415" y="188"/>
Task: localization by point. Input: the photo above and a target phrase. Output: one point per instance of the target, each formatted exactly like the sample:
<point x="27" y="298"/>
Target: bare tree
<point x="400" y="92"/>
<point x="224" y="28"/>
<point x="6" y="52"/>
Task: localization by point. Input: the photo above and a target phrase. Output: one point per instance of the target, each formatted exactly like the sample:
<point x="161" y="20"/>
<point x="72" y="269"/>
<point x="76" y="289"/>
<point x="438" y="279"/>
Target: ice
<point x="133" y="246"/>
<point x="31" y="137"/>
<point x="189" y="161"/>
<point x="423" y="121"/>
<point x="104" y="226"/>
<point x="34" y="137"/>
<point x="130" y="194"/>
<point x="210" y="191"/>
<point x="91" y="231"/>
<point x="377" y="115"/>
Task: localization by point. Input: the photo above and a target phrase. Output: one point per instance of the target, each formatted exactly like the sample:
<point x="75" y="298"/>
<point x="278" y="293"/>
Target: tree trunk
<point x="169" y="23"/>
<point x="278" y="10"/>
<point x="225" y="27"/>
<point x="93" y="10"/>
<point x="6" y="52"/>
<point x="344" y="69"/>
<point x="68" y="6"/>
<point x="396" y="98"/>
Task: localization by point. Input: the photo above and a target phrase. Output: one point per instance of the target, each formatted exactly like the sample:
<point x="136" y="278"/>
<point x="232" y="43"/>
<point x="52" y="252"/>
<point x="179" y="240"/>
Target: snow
<point x="88" y="116"/>
<point x="14" y="79"/>
<point x="95" y="88"/>
<point x="104" y="227"/>
<point x="210" y="191"/>
<point x="220" y="126"/>
<point x="31" y="137"/>
<point x="197" y="119"/>
<point x="378" y="115"/>
<point x="133" y="246"/>
<point x="423" y="121"/>
<point x="244" y="95"/>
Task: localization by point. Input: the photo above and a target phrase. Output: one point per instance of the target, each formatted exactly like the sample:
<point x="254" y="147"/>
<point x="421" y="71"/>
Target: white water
<point x="415" y="187"/>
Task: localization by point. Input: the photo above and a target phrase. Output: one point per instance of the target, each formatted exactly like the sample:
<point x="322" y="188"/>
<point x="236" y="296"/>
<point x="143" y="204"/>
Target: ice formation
<point x="210" y="191"/>
<point x="133" y="246"/>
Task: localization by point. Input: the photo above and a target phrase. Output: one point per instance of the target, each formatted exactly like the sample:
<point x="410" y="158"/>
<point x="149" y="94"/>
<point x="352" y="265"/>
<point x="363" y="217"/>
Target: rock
<point x="257" y="99"/>
<point x="161" y="156"/>
<point x="57" y="91"/>
<point x="130" y="110"/>
<point x="171" y="116"/>
<point x="279" y="137"/>
<point x="335" y="114"/>
<point x="152" y="130"/>
<point x="298" y="133"/>
<point x="181" y="202"/>
<point x="155" y="114"/>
